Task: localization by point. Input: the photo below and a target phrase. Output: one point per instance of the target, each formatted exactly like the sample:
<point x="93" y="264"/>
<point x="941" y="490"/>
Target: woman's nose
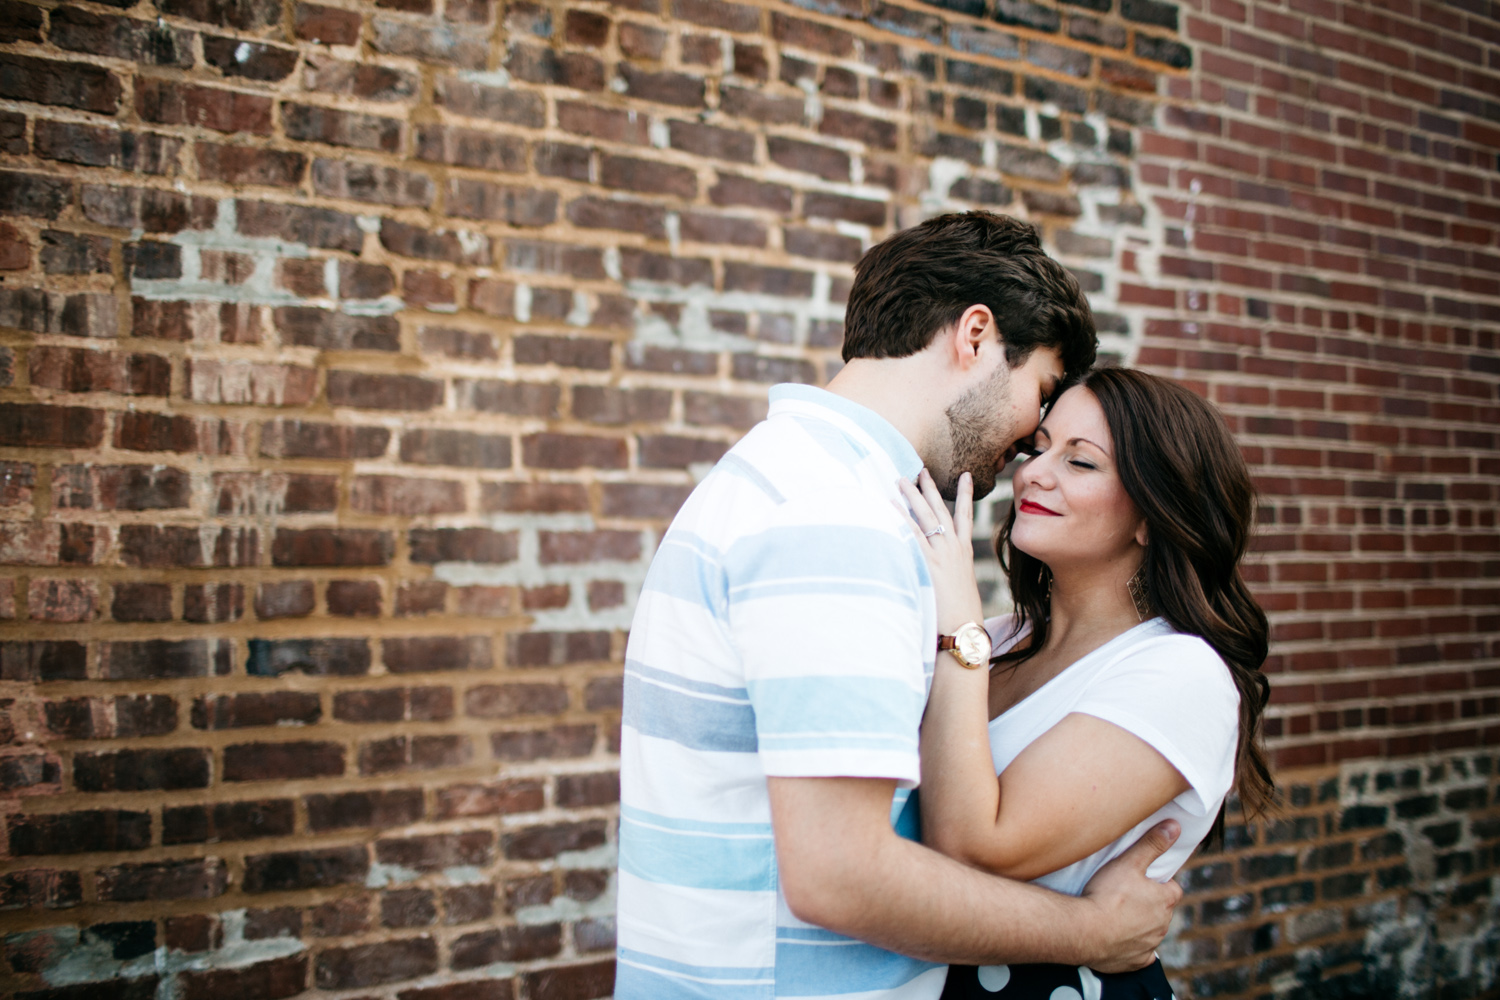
<point x="1036" y="470"/>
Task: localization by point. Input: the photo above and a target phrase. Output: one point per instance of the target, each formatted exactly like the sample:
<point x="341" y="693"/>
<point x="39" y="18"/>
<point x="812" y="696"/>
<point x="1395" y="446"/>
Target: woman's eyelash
<point x="1083" y="465"/>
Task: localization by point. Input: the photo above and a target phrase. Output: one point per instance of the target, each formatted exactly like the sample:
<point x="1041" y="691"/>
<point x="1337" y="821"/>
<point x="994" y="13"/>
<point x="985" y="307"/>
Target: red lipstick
<point x="1032" y="507"/>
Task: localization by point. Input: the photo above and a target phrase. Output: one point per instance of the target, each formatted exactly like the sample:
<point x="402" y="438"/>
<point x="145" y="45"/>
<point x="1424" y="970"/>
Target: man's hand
<point x="1133" y="911"/>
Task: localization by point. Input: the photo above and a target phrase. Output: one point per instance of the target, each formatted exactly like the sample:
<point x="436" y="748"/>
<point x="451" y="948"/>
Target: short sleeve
<point x="828" y="607"/>
<point x="1176" y="694"/>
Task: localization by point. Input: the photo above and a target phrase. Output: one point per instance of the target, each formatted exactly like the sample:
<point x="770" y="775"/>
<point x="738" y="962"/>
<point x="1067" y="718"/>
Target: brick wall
<point x="355" y="356"/>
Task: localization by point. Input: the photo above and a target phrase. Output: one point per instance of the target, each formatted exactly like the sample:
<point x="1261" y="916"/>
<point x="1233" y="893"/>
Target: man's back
<point x="786" y="628"/>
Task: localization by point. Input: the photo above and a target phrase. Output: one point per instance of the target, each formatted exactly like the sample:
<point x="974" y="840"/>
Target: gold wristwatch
<point x="970" y="645"/>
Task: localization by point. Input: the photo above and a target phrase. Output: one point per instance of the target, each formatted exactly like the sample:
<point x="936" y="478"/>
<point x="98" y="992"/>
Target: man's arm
<point x="842" y="867"/>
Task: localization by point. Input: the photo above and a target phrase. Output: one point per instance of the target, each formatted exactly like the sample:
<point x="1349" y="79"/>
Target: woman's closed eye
<point x="1082" y="464"/>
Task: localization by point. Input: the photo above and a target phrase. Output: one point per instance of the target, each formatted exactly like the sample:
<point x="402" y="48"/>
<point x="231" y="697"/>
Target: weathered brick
<point x="331" y="547"/>
<point x="312" y="869"/>
<point x="62" y="600"/>
<point x="354" y="598"/>
<point x="319" y="227"/>
<point x="539" y="842"/>
<point x="278" y="708"/>
<point x="507" y="944"/>
<point x="79" y="832"/>
<point x="191" y="879"/>
<point x="282" y="762"/>
<point x="277" y="977"/>
<point x="572" y="451"/>
<point x="406" y="495"/>
<point x="592" y="980"/>
<point x="228" y="821"/>
<point x="372" y="182"/>
<point x="315" y="657"/>
<point x="475" y="199"/>
<point x="40" y="889"/>
<point x="502" y="701"/>
<point x="458" y="448"/>
<point x="643" y="500"/>
<point x="82" y="370"/>
<point x="505" y="797"/>
<point x="33" y="194"/>
<point x="303" y="439"/>
<point x="68" y="84"/>
<point x="373" y="964"/>
<point x="169" y="102"/>
<point x="141" y="770"/>
<point x="378" y="809"/>
<point x="435" y="852"/>
<point x="436" y="653"/>
<point x="164" y="658"/>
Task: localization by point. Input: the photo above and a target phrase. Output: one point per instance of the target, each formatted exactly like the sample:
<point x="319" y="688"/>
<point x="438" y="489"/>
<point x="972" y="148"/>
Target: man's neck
<point x="899" y="390"/>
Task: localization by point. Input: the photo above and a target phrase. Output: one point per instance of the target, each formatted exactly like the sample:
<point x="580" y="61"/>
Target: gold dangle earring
<point x="1137" y="589"/>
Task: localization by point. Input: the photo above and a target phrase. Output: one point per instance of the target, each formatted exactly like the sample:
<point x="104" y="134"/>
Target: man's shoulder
<point x="800" y="456"/>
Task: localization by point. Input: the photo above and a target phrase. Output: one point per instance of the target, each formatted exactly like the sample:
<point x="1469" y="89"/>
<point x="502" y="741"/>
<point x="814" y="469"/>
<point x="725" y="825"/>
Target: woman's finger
<point x="920" y="513"/>
<point x="935" y="500"/>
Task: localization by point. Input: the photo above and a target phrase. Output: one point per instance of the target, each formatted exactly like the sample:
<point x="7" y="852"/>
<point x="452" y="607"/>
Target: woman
<point x="1126" y="688"/>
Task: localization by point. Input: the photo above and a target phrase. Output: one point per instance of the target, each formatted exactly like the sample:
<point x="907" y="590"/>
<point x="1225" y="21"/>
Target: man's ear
<point x="974" y="328"/>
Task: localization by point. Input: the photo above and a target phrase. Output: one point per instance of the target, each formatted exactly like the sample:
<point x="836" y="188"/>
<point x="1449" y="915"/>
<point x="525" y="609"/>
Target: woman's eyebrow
<point x="1086" y="441"/>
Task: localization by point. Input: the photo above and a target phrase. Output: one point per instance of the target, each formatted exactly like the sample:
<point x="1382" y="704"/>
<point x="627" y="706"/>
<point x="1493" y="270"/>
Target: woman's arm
<point x="1081" y="785"/>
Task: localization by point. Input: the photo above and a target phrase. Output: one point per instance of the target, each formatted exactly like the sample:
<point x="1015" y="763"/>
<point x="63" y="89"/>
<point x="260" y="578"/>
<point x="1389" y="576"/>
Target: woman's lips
<point x="1032" y="507"/>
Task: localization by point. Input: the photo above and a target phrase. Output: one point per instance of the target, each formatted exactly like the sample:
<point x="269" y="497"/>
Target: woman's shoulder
<point x="1162" y="649"/>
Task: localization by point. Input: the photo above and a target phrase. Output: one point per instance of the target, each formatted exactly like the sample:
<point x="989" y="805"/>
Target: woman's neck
<point x="1090" y="606"/>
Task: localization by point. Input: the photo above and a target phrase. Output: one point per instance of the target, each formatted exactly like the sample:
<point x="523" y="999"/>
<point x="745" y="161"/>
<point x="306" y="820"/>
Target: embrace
<point x="809" y="649"/>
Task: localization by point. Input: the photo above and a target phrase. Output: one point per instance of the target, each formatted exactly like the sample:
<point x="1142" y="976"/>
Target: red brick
<point x="572" y="451"/>
<point x="331" y="547"/>
<point x="172" y="103"/>
<point x="330" y="25"/>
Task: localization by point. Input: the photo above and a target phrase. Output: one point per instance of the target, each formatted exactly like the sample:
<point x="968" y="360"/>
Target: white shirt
<point x="787" y="628"/>
<point x="1171" y="690"/>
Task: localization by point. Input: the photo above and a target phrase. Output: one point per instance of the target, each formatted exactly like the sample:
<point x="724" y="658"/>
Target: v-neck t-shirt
<point x="1169" y="689"/>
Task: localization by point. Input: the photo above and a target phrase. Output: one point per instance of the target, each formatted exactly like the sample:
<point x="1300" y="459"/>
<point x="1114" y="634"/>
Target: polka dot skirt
<point x="1054" y="982"/>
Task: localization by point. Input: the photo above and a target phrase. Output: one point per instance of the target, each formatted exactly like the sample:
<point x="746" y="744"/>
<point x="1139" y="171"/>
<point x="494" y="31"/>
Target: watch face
<point x="972" y="644"/>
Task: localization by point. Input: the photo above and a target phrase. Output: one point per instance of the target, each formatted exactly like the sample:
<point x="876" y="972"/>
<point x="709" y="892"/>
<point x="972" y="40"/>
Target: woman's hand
<point x="947" y="541"/>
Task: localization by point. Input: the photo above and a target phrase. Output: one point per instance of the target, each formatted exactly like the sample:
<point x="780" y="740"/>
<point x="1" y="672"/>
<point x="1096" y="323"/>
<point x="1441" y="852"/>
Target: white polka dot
<point x="1092" y="987"/>
<point x="994" y="977"/>
<point x="1065" y="993"/>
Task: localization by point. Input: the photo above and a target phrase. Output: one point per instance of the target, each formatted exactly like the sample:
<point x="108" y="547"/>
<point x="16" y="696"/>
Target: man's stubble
<point x="980" y="432"/>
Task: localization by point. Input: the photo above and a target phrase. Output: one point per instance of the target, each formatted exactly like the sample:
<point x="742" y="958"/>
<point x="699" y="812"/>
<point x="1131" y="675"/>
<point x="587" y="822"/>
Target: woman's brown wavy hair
<point x="1182" y="469"/>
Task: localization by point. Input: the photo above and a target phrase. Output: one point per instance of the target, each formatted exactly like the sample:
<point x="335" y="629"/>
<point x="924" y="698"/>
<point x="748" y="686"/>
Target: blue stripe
<point x="736" y="863"/>
<point x="822" y="968"/>
<point x="840" y="447"/>
<point x="677" y="680"/>
<point x="688" y="719"/>
<point x="632" y="982"/>
<point x="733" y="464"/>
<point x="908" y="463"/>
<point x="824" y="587"/>
<point x="734" y="972"/>
<point x="823" y="552"/>
<point x="695" y="825"/>
<point x="831" y="708"/>
<point x="882" y="742"/>
<point x="689" y="569"/>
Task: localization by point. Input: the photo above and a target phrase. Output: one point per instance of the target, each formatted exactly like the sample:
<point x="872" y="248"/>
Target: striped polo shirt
<point x="786" y="627"/>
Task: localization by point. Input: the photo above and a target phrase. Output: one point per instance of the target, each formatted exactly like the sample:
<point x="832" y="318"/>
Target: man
<point x="782" y="649"/>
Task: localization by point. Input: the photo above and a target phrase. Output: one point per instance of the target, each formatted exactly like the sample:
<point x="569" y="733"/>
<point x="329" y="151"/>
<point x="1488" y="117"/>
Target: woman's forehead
<point x="1077" y="413"/>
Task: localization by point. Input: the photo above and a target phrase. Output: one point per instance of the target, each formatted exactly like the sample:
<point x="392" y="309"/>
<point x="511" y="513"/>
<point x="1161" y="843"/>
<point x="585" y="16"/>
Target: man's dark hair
<point x="921" y="280"/>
